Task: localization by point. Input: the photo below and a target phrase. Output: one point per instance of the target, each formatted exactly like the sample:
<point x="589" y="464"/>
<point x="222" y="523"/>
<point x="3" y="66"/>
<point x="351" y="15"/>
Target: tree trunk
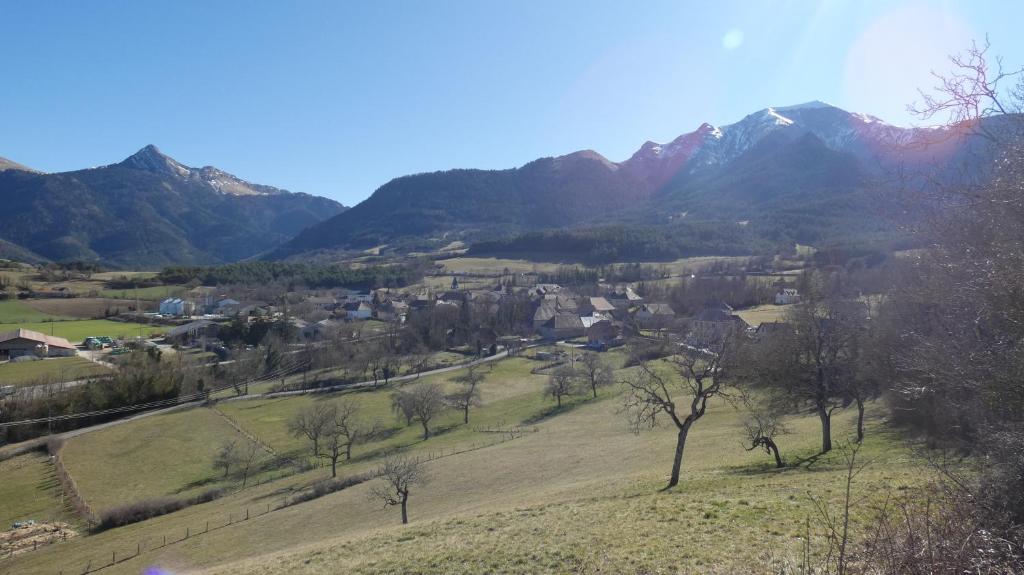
<point x="594" y="388"/>
<point x="775" y="451"/>
<point x="558" y="399"/>
<point x="826" y="429"/>
<point x="426" y="430"/>
<point x="860" y="420"/>
<point x="348" y="452"/>
<point x="677" y="462"/>
<point x="334" y="466"/>
<point x="465" y="414"/>
<point x="405" y="513"/>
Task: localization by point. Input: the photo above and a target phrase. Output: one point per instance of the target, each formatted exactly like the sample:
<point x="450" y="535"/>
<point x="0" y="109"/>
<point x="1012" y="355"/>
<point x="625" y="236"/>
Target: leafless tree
<point x="421" y="402"/>
<point x="652" y="393"/>
<point x="468" y="394"/>
<point x="762" y="424"/>
<point x="814" y="363"/>
<point x="249" y="455"/>
<point x="399" y="475"/>
<point x="227" y="457"/>
<point x="311" y="422"/>
<point x="596" y="372"/>
<point x="563" y="382"/>
<point x="344" y="429"/>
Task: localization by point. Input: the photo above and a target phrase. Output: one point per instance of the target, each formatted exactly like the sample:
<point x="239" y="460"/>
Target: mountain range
<point x="147" y="211"/>
<point x="807" y="173"/>
<point x="811" y="173"/>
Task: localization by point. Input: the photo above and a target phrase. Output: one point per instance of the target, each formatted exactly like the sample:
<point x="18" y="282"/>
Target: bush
<point x="328" y="486"/>
<point x="148" y="508"/>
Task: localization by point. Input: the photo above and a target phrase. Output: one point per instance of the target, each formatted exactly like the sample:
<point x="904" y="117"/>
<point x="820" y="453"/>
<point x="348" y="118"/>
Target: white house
<point x="358" y="310"/>
<point x="787" y="296"/>
<point x="177" y="307"/>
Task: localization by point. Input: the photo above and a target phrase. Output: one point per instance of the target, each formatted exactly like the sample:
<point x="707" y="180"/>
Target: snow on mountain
<point x="151" y="159"/>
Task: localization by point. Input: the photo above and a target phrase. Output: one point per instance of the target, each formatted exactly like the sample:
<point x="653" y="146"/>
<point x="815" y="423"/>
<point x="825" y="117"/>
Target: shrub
<point x="149" y="508"/>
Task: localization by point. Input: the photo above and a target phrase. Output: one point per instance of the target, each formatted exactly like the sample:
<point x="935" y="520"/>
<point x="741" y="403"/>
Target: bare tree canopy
<point x="564" y="381"/>
<point x="596" y="372"/>
<point x="399" y="475"/>
<point x="653" y="395"/>
<point x="468" y="394"/>
<point x="421" y="402"/>
<point x="311" y="422"/>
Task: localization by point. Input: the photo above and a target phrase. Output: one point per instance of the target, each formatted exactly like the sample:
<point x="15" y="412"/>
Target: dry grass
<point x="83" y="307"/>
<point x="580" y="495"/>
<point x="768" y="313"/>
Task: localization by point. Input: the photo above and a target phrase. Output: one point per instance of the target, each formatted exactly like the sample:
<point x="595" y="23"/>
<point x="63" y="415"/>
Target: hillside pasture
<point x="52" y="370"/>
<point x="164" y="455"/>
<point x="19" y="311"/>
<point x="768" y="313"/>
<point x="76" y="331"/>
<point x="29" y="490"/>
<point x="82" y="307"/>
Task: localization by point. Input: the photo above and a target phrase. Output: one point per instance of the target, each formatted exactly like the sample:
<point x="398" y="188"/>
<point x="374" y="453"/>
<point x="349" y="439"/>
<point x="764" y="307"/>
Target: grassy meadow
<point x="51" y="370"/>
<point x="17" y="311"/>
<point x="767" y="313"/>
<point x="580" y="494"/>
<point x="76" y="331"/>
<point x="29" y="490"/>
<point x="168" y="454"/>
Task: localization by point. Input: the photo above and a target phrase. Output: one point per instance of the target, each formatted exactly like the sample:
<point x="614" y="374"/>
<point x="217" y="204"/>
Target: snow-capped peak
<point x="812" y="105"/>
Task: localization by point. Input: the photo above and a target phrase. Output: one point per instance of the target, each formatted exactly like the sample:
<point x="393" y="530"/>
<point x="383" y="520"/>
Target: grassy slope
<point x="755" y="316"/>
<point x="49" y="371"/>
<point x="547" y="502"/>
<point x="163" y="455"/>
<point x="29" y="490"/>
<point x="83" y="307"/>
<point x="76" y="331"/>
<point x="15" y="311"/>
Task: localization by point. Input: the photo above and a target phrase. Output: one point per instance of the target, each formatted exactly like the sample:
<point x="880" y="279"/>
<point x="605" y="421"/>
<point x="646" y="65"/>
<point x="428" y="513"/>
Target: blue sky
<point x="336" y="98"/>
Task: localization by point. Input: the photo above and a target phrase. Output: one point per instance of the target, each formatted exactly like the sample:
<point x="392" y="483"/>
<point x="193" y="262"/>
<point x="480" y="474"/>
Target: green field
<point x="30" y="490"/>
<point x="15" y="311"/>
<point x="755" y="316"/>
<point x="154" y="293"/>
<point x="76" y="331"/>
<point x="581" y="494"/>
<point x="49" y="371"/>
<point x="167" y="454"/>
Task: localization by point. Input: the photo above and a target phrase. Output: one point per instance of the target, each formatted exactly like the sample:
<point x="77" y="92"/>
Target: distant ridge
<point x="147" y="211"/>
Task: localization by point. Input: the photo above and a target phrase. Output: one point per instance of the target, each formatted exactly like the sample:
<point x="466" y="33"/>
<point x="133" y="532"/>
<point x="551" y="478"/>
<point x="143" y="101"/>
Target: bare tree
<point x="468" y="394"/>
<point x="421" y="402"/>
<point x="815" y="362"/>
<point x="761" y="426"/>
<point x="249" y="455"/>
<point x="311" y="422"/>
<point x="596" y="372"/>
<point x="652" y="393"/>
<point x="399" y="475"/>
<point x="227" y="456"/>
<point x="401" y="405"/>
<point x="561" y="383"/>
<point x="343" y="430"/>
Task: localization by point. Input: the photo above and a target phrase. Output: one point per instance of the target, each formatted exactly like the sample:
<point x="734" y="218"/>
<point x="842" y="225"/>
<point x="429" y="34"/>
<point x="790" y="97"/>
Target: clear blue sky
<point x="336" y="98"/>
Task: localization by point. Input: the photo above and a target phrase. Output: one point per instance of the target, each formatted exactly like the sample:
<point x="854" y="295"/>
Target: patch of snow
<point x="779" y="118"/>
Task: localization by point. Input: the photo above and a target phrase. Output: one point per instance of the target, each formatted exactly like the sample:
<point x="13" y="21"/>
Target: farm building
<point x="176" y="307"/>
<point x="358" y="310"/>
<point x="787" y="296"/>
<point x="27" y="342"/>
<point x="192" y="332"/>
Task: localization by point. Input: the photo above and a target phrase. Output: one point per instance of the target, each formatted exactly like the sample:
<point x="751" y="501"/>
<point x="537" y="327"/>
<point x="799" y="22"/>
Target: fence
<point x="252" y="512"/>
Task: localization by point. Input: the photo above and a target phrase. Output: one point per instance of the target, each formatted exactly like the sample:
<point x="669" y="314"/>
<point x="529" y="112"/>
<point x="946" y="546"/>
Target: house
<point x="176" y="307"/>
<point x="322" y="328"/>
<point x="21" y="342"/>
<point x="563" y="325"/>
<point x="714" y="323"/>
<point x="624" y="298"/>
<point x="604" y="334"/>
<point x="787" y="296"/>
<point x="225" y="303"/>
<point x="599" y="306"/>
<point x="655" y="315"/>
<point x="203" y="296"/>
<point x="189" y="333"/>
<point x="392" y="310"/>
<point x="322" y="303"/>
<point x="358" y="310"/>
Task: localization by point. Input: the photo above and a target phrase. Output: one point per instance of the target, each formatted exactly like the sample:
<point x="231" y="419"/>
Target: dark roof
<point x="565" y="321"/>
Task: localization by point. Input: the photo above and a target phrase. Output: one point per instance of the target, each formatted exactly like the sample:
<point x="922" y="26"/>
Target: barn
<point x="27" y="342"/>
